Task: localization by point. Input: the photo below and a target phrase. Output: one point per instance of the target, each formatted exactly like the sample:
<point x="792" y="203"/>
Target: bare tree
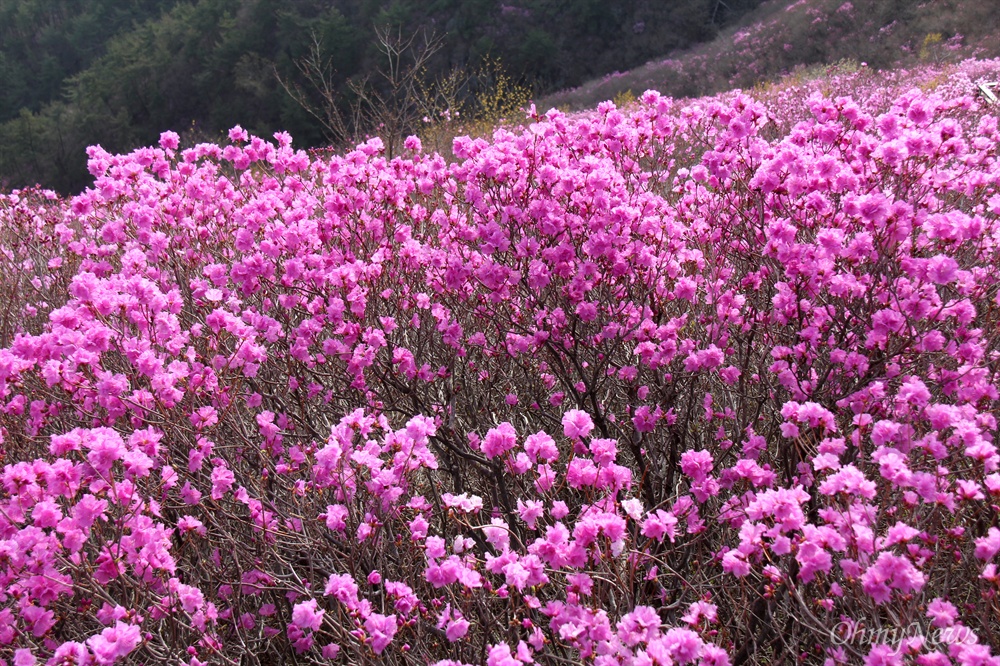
<point x="389" y="105"/>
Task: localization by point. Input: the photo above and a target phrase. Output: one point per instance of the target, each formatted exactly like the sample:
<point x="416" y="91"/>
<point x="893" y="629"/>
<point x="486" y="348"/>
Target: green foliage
<point x="498" y="97"/>
<point x="46" y="41"/>
<point x="472" y="103"/>
<point x="930" y="45"/>
<point x="624" y="99"/>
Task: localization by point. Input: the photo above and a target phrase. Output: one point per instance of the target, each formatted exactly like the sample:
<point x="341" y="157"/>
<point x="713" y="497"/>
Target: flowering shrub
<point x="677" y="385"/>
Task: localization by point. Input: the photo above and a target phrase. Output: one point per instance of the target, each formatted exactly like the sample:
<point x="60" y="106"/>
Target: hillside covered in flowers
<point x="705" y="382"/>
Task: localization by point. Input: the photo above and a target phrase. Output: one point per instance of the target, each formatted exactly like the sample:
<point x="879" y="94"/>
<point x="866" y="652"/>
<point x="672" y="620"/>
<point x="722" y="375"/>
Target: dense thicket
<point x="711" y="383"/>
<point x="97" y="71"/>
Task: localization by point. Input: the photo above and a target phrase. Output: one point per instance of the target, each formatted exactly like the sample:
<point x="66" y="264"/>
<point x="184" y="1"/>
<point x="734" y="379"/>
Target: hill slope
<point x="784" y="36"/>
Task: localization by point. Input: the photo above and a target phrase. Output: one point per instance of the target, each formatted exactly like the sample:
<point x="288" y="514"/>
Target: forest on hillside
<point x="83" y="72"/>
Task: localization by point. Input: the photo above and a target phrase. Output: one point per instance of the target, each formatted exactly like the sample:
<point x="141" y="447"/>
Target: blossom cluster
<point x="689" y="383"/>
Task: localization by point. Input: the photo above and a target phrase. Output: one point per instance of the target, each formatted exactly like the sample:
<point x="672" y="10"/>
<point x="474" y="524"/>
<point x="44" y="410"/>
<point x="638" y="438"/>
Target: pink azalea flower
<point x="307" y="615"/>
<point x="381" y="628"/>
<point x="114" y="642"/>
<point x="577" y="423"/>
<point x="499" y="440"/>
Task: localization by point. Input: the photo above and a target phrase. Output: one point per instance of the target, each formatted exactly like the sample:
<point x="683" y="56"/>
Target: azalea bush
<point x="710" y="383"/>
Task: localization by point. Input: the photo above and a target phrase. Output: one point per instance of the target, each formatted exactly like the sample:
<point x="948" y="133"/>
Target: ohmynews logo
<point x="844" y="633"/>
